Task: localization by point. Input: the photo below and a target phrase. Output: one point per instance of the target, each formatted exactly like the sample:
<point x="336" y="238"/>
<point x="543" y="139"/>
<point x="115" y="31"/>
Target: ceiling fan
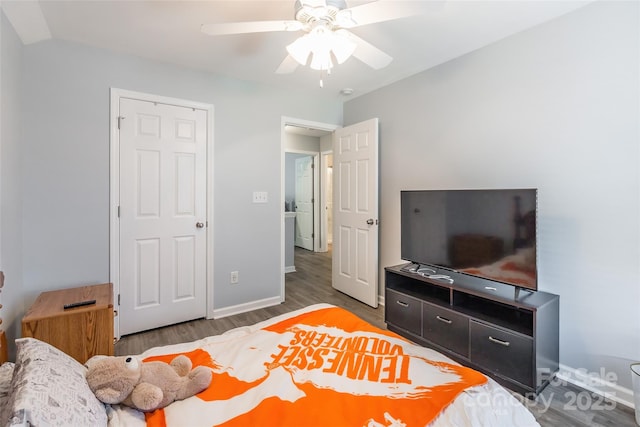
<point x="326" y="24"/>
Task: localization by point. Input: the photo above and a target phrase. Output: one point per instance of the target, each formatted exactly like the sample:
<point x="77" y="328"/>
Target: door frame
<point x="311" y="125"/>
<point x="324" y="172"/>
<point x="114" y="190"/>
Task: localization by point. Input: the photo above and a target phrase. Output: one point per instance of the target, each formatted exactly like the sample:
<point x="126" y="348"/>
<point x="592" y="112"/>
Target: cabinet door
<point x="403" y="311"/>
<point x="446" y="328"/>
<point x="504" y="353"/>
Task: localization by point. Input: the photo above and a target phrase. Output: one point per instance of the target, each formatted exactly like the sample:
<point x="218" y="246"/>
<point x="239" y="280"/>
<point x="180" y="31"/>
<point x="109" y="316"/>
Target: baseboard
<point x="290" y="269"/>
<point x="255" y="305"/>
<point x="243" y="308"/>
<point x="596" y="384"/>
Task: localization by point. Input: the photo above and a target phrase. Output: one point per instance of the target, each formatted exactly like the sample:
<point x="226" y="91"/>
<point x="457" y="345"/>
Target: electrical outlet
<point x="234" y="277"/>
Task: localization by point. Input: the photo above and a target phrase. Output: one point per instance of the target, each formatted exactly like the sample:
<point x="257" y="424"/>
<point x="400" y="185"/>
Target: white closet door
<point x="162" y="214"/>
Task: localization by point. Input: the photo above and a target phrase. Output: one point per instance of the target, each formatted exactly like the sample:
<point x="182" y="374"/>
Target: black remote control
<point x="79" y="304"/>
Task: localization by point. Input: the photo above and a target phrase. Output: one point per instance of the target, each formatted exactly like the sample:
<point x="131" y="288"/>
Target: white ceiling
<point x="169" y="31"/>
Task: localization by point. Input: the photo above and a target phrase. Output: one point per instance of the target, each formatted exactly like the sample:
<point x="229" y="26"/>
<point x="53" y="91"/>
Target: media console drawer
<point x="405" y="311"/>
<point x="502" y="352"/>
<point x="446" y="328"/>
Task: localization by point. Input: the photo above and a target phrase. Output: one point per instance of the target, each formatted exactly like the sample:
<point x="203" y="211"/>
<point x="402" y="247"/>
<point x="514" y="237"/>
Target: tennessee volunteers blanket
<point x="325" y="367"/>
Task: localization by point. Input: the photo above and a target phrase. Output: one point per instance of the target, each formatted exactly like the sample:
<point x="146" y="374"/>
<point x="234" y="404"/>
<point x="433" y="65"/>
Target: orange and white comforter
<point x="320" y="366"/>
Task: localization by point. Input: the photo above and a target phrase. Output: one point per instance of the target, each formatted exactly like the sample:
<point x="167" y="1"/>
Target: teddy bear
<point x="145" y="386"/>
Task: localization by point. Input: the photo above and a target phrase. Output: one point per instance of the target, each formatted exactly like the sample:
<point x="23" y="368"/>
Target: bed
<point x="318" y="366"/>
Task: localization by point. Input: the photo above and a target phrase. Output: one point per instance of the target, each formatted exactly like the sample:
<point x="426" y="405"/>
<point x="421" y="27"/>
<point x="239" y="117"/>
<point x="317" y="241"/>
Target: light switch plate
<point x="260" y="197"/>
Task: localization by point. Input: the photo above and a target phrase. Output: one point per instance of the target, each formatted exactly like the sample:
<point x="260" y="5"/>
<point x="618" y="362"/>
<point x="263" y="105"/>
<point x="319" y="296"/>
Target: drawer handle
<point x="404" y="304"/>
<point x="497" y="341"/>
<point x="444" y="319"/>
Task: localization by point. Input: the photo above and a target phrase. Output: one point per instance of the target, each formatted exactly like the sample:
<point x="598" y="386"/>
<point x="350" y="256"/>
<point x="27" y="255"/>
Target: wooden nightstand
<point x="81" y="332"/>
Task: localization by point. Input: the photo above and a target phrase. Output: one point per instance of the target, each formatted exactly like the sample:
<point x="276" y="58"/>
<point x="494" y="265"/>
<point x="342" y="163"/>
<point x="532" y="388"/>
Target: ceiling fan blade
<point x="287" y="66"/>
<point x="368" y="53"/>
<point x="225" y="28"/>
<point x="384" y="10"/>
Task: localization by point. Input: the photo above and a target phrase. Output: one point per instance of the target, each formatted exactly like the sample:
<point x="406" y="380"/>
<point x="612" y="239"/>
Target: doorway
<point x="354" y="245"/>
<point x="311" y="141"/>
<point x="300" y="196"/>
<point x="309" y="198"/>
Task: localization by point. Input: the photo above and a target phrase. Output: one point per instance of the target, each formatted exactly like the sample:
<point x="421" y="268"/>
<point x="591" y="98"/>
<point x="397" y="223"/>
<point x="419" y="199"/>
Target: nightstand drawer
<point x="403" y="311"/>
<point x="446" y="328"/>
<point x="502" y="352"/>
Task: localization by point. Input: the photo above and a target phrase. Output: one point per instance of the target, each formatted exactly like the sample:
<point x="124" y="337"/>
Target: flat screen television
<point x="489" y="234"/>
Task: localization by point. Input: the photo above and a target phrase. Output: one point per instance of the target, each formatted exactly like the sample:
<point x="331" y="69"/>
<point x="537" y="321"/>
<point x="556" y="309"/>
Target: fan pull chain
<point x="328" y="71"/>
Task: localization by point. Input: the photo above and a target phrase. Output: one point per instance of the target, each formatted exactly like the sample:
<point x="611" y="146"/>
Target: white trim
<point x="114" y="189"/>
<point x="323" y="245"/>
<point x="290" y="269"/>
<point x="114" y="201"/>
<point x="245" y="307"/>
<point x="595" y="384"/>
<point x="304" y="123"/>
<point x="308" y="124"/>
<point x="210" y="211"/>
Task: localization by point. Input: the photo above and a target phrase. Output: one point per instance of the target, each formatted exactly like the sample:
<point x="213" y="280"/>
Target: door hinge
<point x="118" y="211"/>
<point x="120" y="119"/>
<point x="118" y="299"/>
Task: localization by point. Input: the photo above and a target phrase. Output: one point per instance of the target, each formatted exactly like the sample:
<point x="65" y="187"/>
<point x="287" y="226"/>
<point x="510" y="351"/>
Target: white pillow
<point x="6" y="373"/>
<point x="50" y="389"/>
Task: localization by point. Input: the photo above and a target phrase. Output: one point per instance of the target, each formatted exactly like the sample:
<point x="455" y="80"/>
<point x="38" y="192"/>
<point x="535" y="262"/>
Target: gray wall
<point x="10" y="182"/>
<point x="556" y="108"/>
<point x="61" y="183"/>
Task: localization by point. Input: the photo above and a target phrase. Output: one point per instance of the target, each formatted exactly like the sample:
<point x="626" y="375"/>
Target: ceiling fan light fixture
<point x="300" y="50"/>
<point x="321" y="60"/>
<point x="324" y="45"/>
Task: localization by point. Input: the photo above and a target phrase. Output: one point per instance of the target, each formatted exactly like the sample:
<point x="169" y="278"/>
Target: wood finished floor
<point x="562" y="405"/>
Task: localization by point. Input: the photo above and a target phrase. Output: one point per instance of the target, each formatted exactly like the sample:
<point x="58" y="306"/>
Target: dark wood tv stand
<point x="510" y="336"/>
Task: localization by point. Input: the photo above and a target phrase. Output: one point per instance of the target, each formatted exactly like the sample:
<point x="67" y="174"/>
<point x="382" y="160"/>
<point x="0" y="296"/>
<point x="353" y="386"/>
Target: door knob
<point x="199" y="224"/>
<point x="370" y="221"/>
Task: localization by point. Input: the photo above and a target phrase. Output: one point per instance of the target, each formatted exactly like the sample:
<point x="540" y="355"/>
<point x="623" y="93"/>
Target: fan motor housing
<point x="304" y="10"/>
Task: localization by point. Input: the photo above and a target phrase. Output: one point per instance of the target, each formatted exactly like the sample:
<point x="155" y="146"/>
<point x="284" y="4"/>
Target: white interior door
<point x="163" y="244"/>
<point x="304" y="202"/>
<point x="355" y="221"/>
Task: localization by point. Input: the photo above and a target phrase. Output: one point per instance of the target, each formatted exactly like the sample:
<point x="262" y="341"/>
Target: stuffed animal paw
<point x="145" y="386"/>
